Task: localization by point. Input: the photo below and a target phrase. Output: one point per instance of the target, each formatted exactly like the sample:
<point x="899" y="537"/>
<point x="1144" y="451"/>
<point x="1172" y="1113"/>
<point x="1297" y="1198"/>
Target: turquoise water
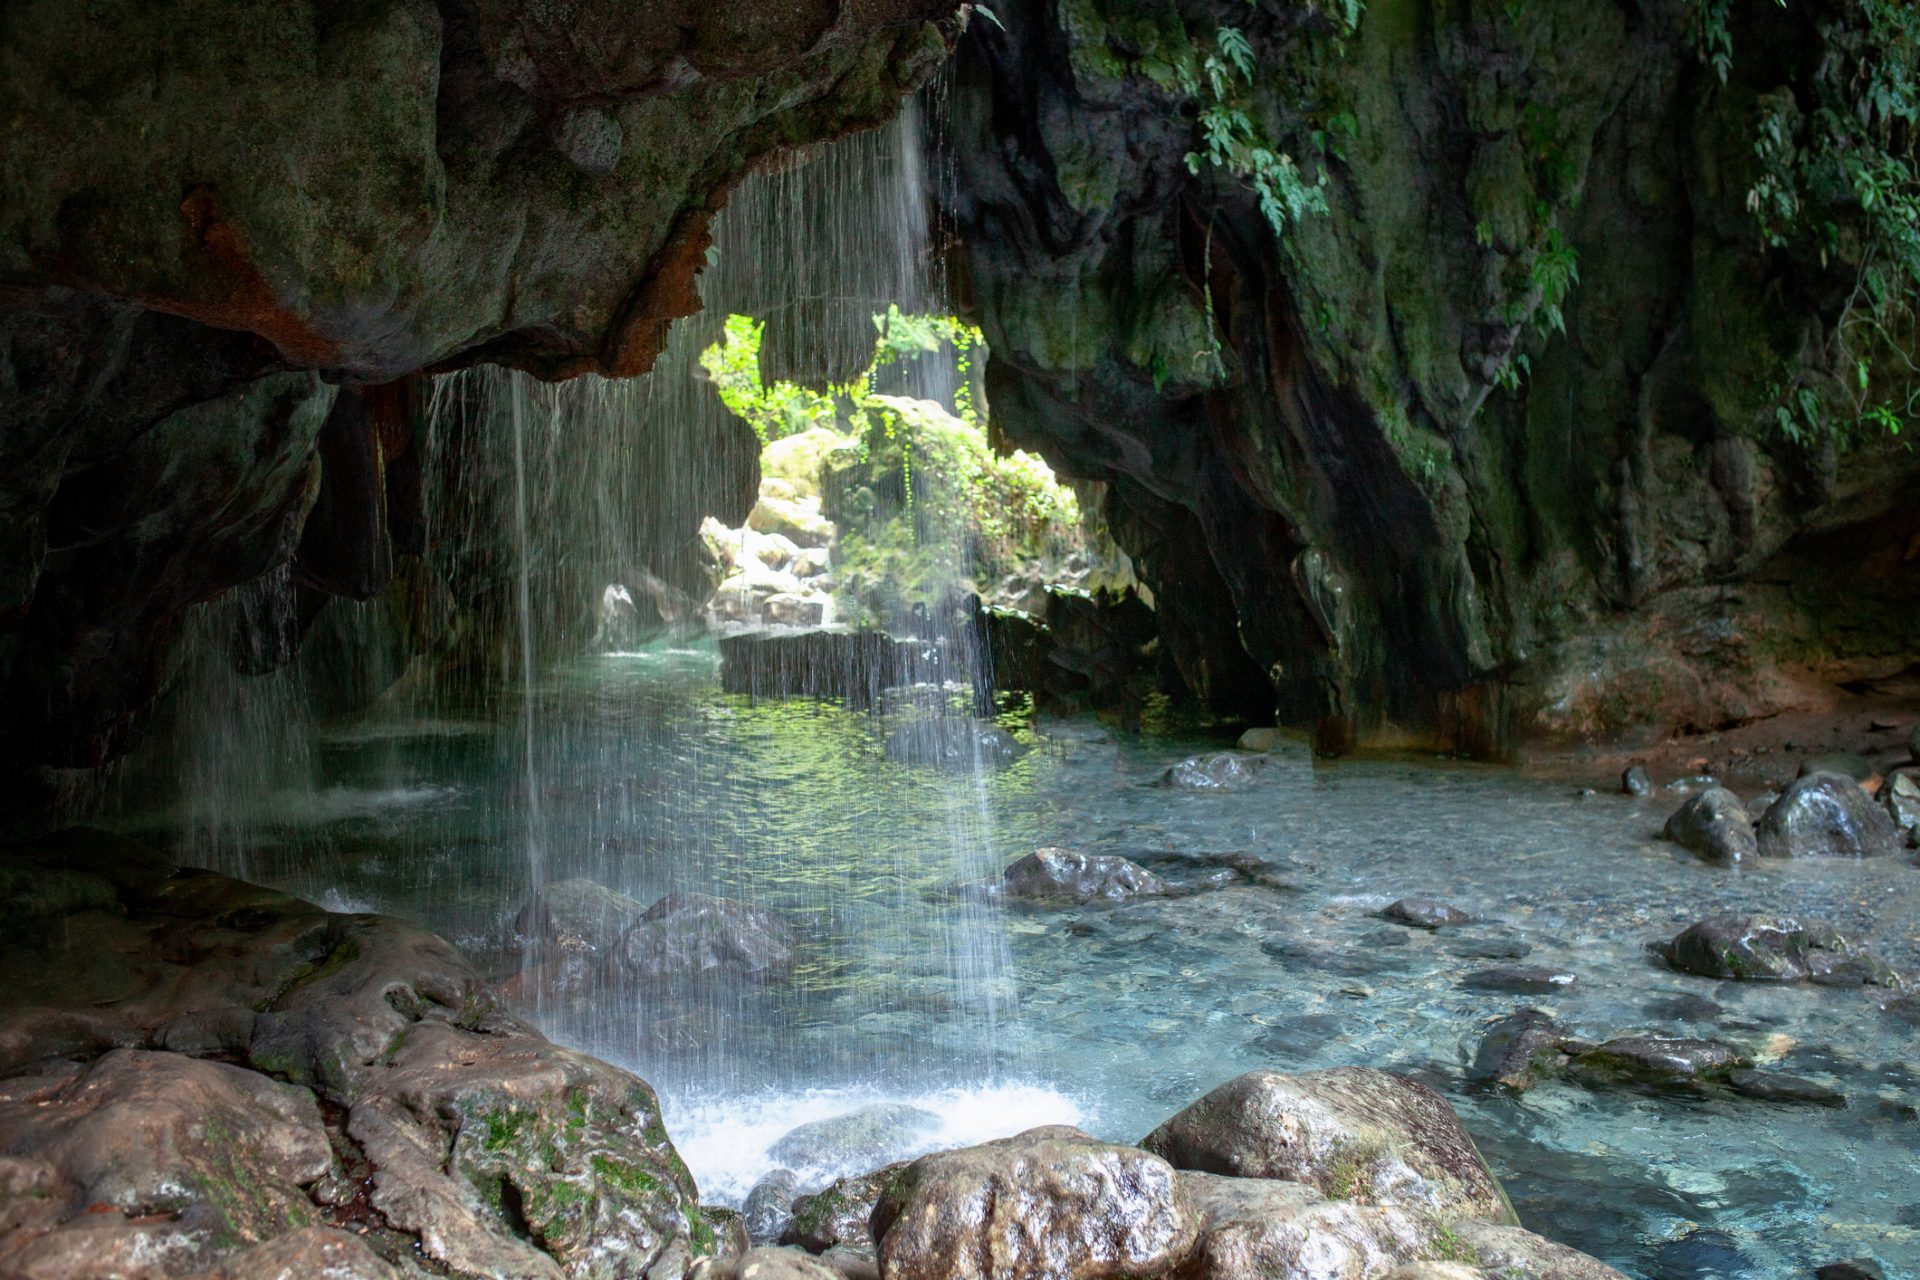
<point x="650" y="780"/>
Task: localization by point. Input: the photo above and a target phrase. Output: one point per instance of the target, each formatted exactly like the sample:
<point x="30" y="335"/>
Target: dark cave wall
<point x="220" y="221"/>
<point x="1344" y="516"/>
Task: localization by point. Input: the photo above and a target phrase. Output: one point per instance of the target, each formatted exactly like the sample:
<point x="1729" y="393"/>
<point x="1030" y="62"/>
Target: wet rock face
<point x="856" y="1141"/>
<point x="1352" y="1132"/>
<point x="1340" y="510"/>
<point x="1051" y="1202"/>
<point x="491" y="1150"/>
<point x="1715" y="825"/>
<point x="1661" y="1061"/>
<point x="201" y="216"/>
<point x="1826" y="815"/>
<point x="1425" y="913"/>
<point x="840" y="1216"/>
<point x="1773" y="949"/>
<point x="1052" y="874"/>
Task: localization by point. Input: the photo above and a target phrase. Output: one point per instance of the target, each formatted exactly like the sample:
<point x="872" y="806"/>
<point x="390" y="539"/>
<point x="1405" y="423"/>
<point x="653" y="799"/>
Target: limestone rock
<point x="859" y="1140"/>
<point x="1260" y="1229"/>
<point x="1048" y="1204"/>
<point x="1352" y="1132"/>
<point x="840" y="1216"/>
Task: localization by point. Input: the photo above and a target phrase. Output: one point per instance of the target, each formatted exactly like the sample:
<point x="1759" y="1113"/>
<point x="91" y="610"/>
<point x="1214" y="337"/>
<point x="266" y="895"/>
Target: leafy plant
<point x="1229" y="139"/>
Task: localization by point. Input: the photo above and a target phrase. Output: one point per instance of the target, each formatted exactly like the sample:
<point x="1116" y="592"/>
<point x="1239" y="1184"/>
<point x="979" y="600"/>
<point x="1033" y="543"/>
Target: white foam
<point x="725" y="1141"/>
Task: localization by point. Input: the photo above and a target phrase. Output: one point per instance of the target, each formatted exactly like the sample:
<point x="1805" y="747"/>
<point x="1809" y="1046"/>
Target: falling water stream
<point x="628" y="766"/>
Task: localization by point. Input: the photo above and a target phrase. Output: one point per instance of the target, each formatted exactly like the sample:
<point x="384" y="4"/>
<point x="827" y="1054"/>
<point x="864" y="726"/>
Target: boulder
<point x="306" y="1253"/>
<point x="498" y="1152"/>
<point x="1519" y="1049"/>
<point x="573" y="928"/>
<point x="839" y="1216"/>
<point x="690" y="936"/>
<point x="951" y="743"/>
<point x="1755" y="948"/>
<point x="144" y="1154"/>
<point x="1715" y="825"/>
<point x="1352" y="1132"/>
<point x="795" y="609"/>
<point x="1512" y="1253"/>
<point x="797" y="520"/>
<point x="1069" y="873"/>
<point x="1826" y="815"/>
<point x="769" y="1206"/>
<point x="1219" y="771"/>
<point x="1047" y="1204"/>
<point x="1902" y="796"/>
<point x="1425" y="913"/>
<point x="1263" y="1229"/>
<point x="859" y="1140"/>
<point x="1635" y="782"/>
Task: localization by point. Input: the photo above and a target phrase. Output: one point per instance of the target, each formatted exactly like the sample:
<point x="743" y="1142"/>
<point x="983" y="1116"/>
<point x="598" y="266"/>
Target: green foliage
<point x="783" y="409"/>
<point x="1230" y="141"/>
<point x="1839" y="185"/>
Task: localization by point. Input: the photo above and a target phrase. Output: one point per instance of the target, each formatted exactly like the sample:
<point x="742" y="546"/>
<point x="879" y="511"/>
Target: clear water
<point x="1113" y="1017"/>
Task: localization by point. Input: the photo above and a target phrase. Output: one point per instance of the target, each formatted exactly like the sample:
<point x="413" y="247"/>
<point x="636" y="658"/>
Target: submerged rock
<point x="574" y="928"/>
<point x="858" y="1140"/>
<point x="1771" y="1086"/>
<point x="1352" y="1132"/>
<point x="949" y="743"/>
<point x="1069" y="873"/>
<point x="1049" y="1203"/>
<point x="1715" y="825"/>
<point x="693" y="936"/>
<point x="1654" y="1060"/>
<point x="1220" y="771"/>
<point x="1521" y="980"/>
<point x="1425" y="913"/>
<point x="1826" y="815"/>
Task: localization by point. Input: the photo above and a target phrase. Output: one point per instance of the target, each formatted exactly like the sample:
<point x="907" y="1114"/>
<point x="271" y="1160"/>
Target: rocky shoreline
<point x="202" y="1077"/>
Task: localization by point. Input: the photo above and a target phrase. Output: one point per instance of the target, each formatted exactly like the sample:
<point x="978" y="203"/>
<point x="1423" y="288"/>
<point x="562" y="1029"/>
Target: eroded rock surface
<point x="340" y="1037"/>
<point x="1053" y="874"/>
<point x="1715" y="825"/>
<point x="1826" y="815"/>
<point x="1352" y="1132"/>
<point x="1051" y="1202"/>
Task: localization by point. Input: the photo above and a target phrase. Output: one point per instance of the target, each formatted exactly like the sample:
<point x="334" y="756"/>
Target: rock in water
<point x="573" y="928"/>
<point x="769" y="1206"/>
<point x="1715" y="825"/>
<point x="839" y="1217"/>
<point x="1220" y="771"/>
<point x="1520" y="980"/>
<point x="1635" y="782"/>
<point x="948" y="743"/>
<point x="1758" y="949"/>
<point x="1653" y="1060"/>
<point x="1047" y="1204"/>
<point x="1826" y="815"/>
<point x="1772" y="1086"/>
<point x="856" y="1141"/>
<point x="1520" y="1048"/>
<point x="1516" y="1254"/>
<point x="1903" y="801"/>
<point x="691" y="936"/>
<point x="1425" y="913"/>
<point x="1069" y="873"/>
<point x="1352" y="1132"/>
